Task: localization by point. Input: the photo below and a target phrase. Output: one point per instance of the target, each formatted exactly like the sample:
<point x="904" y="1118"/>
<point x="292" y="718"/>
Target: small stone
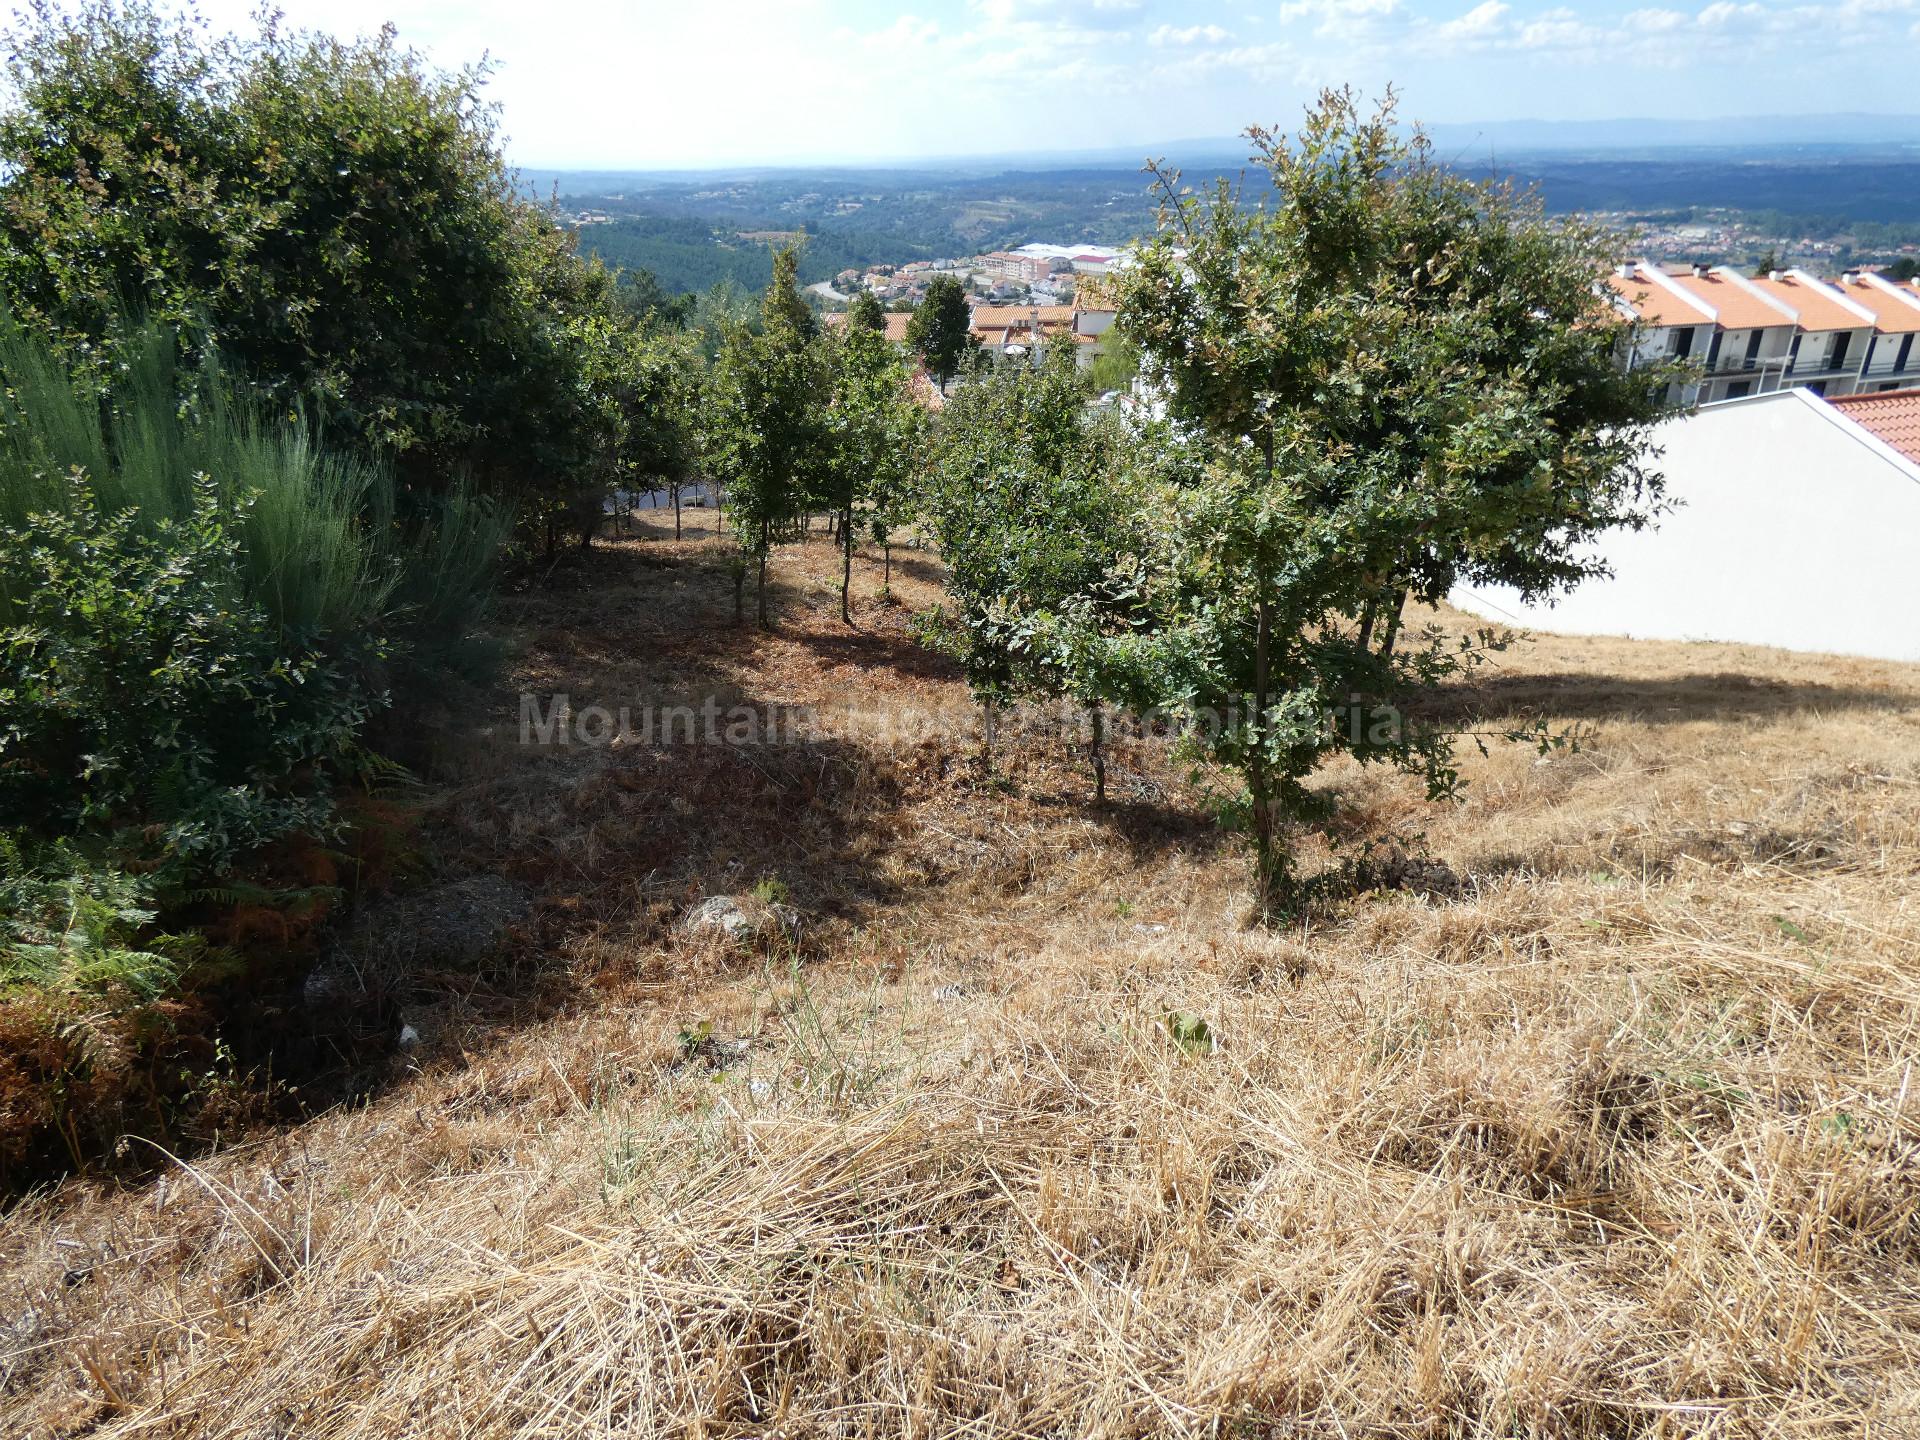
<point x="744" y="921"/>
<point x="723" y="913"/>
<point x="409" y="1037"/>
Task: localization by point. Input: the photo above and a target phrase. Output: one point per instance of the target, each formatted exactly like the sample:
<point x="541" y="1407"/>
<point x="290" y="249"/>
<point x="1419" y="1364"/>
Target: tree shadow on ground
<point x="891" y="647"/>
<point x="919" y="565"/>
<point x="1675" y="699"/>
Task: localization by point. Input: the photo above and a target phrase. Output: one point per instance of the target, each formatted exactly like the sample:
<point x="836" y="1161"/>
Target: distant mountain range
<point x="1774" y="132"/>
<point x="1839" y="134"/>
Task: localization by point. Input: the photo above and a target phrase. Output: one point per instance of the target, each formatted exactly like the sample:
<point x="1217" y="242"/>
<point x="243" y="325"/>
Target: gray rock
<point x="743" y="921"/>
<point x="725" y="914"/>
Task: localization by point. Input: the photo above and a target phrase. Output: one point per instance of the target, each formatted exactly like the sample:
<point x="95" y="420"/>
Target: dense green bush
<point x="149" y="701"/>
<point x="336" y="218"/>
<point x="197" y="604"/>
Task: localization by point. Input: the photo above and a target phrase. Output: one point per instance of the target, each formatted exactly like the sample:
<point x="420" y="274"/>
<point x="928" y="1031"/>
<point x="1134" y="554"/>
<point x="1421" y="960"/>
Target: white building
<point x="1755" y="334"/>
<point x="1797" y="524"/>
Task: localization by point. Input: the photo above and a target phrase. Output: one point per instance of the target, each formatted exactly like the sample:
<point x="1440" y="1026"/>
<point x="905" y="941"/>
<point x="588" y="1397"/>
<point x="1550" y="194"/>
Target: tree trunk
<point x="740" y="592"/>
<point x="676" y="512"/>
<point x="1267" y="863"/>
<point x="1399" y="603"/>
<point x="989" y="731"/>
<point x="1365" y="638"/>
<point x="846" y="563"/>
<point x="760" y="584"/>
<point x="1269" y="866"/>
<point x="886" y="565"/>
<point x="1099" y="752"/>
<point x="1366" y="623"/>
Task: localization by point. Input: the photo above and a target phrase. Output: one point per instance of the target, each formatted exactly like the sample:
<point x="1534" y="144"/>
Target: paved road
<point x="825" y="287"/>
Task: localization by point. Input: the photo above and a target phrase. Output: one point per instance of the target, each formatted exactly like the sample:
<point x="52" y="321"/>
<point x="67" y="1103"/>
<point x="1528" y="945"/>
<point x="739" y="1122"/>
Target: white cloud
<point x="824" y="78"/>
<point x="1187" y="35"/>
<point x="1332" y="10"/>
<point x="1485" y="19"/>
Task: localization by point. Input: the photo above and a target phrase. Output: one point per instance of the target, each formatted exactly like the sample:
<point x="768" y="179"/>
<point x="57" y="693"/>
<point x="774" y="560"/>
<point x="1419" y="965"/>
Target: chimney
<point x="1699" y="270"/>
<point x="1624" y="270"/>
<point x="1774" y="275"/>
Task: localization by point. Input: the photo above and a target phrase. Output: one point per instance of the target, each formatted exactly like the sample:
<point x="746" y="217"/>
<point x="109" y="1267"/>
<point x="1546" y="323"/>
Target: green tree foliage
<point x="782" y="306"/>
<point x="874" y="433"/>
<point x="764" y="437"/>
<point x="1028" y="499"/>
<point x="334" y="217"/>
<point x="1118" y="362"/>
<point x="941" y="330"/>
<point x="1401" y="380"/>
<point x="717" y="312"/>
<point x="641" y="295"/>
<point x="866" y="312"/>
<point x="658" y="391"/>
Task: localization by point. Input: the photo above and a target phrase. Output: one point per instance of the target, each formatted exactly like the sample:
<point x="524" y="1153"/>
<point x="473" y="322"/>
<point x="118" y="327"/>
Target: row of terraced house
<point x="1786" y="329"/>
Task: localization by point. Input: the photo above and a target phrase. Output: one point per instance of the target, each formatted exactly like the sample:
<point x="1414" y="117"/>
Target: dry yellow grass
<point x="1621" y="1140"/>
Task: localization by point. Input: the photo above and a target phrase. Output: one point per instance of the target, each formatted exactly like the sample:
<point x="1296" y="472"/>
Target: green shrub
<point x="199" y="606"/>
<point x="148" y="700"/>
<point x="327" y="544"/>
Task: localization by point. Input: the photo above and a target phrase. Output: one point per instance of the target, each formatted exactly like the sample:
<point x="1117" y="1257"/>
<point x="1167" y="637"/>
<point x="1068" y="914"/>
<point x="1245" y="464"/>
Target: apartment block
<point x="1753" y="334"/>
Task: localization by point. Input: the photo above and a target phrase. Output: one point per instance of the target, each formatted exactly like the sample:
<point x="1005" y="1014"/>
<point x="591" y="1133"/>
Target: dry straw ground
<point x="1619" y="1139"/>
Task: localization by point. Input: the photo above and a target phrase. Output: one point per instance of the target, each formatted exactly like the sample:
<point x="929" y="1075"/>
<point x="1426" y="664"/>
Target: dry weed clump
<point x="1037" y="1139"/>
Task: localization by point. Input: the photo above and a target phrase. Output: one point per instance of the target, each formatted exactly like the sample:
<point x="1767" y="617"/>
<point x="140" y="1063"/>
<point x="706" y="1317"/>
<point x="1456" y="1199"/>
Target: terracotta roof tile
<point x="896" y="324"/>
<point x="1893" y="416"/>
<point x="1816" y="309"/>
<point x="1000" y="317"/>
<point x="1892" y="314"/>
<point x="1737" y="308"/>
<point x="1656" y="304"/>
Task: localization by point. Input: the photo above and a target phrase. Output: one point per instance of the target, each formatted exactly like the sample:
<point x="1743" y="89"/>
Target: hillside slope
<point x="1603" y="1123"/>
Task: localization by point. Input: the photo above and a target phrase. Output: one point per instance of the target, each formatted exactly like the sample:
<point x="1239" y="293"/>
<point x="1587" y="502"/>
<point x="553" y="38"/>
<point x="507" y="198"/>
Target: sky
<point x="644" y="84"/>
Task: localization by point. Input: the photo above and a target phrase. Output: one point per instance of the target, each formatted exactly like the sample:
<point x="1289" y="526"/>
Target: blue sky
<point x="598" y="83"/>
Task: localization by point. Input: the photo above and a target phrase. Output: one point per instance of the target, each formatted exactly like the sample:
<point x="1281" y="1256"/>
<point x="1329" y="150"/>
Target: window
<point x="1680" y="343"/>
<point x="1817" y="387"/>
<point x="1739" y="388"/>
<point x="1753" y="348"/>
<point x="1793" y="354"/>
<point x="1713" y="350"/>
<point x="1838" y="355"/>
<point x="1906" y="349"/>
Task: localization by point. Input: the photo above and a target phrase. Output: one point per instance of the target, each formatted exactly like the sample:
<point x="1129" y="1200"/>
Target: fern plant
<point x="71" y="925"/>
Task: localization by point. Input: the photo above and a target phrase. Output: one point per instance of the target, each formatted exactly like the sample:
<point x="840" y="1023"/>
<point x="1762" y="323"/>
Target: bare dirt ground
<point x="1611" y="1131"/>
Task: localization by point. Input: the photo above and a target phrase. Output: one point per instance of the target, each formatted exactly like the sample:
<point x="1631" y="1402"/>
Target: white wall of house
<point x="1730" y="368"/>
<point x="1796" y="528"/>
